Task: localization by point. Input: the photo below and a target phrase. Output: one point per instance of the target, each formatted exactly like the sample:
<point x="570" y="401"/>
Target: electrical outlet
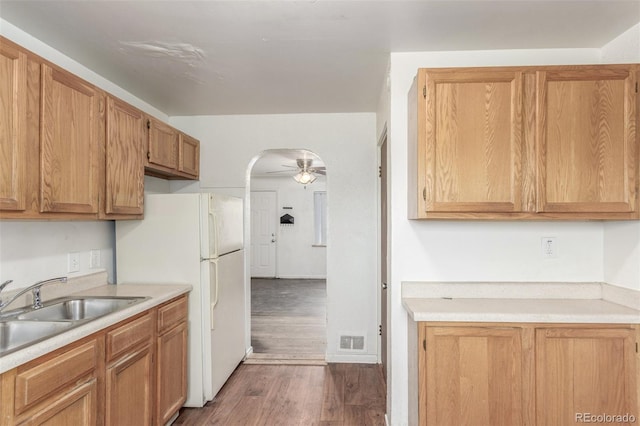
<point x="549" y="247"/>
<point x="73" y="262"/>
<point x="94" y="259"/>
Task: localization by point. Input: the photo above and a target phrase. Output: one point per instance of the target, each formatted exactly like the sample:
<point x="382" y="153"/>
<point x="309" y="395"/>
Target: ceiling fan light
<point x="304" y="178"/>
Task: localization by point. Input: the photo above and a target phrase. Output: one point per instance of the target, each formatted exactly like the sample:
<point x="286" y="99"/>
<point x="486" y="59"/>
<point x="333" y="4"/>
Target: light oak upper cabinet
<point x="585" y="125"/>
<point x="162" y="154"/>
<point x="556" y="142"/>
<point x="189" y="155"/>
<point x="13" y="127"/>
<point x="124" y="160"/>
<point x="171" y="154"/>
<point x="71" y="134"/>
<point x="468" y="141"/>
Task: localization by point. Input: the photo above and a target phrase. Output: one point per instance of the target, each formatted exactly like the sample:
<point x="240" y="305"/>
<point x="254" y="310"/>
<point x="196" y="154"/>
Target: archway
<point x="286" y="240"/>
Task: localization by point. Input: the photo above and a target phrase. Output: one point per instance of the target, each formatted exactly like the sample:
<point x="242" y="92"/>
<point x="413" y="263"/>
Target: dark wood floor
<point x="282" y="395"/>
<point x="288" y="317"/>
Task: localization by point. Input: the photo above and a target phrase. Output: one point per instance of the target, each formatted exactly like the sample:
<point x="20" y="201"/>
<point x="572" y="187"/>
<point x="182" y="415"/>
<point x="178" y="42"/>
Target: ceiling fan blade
<point x="320" y="172"/>
<point x="282" y="171"/>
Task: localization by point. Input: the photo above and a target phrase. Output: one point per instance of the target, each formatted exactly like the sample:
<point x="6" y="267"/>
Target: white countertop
<point x="157" y="294"/>
<point x="520" y="302"/>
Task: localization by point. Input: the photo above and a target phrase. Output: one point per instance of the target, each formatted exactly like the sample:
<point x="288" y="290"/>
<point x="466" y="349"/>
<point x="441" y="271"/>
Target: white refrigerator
<point x="195" y="239"/>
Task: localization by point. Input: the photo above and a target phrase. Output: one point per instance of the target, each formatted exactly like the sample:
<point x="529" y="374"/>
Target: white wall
<point x="32" y="251"/>
<point x="622" y="239"/>
<point x="296" y="257"/>
<point x="347" y="145"/>
<point x="623" y="49"/>
<point x="36" y="250"/>
<point x="474" y="251"/>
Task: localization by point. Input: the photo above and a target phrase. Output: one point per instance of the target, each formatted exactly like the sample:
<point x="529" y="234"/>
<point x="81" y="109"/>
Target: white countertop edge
<point x="157" y="294"/>
<point x="520" y="311"/>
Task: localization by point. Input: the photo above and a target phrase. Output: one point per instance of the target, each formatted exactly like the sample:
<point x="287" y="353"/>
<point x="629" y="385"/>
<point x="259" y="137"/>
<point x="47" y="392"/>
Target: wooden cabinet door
<point x="76" y="407"/>
<point x="162" y="145"/>
<point x="70" y="141"/>
<point x="582" y="371"/>
<point x="128" y="395"/>
<point x="585" y="126"/>
<point x="124" y="162"/>
<point x="13" y="127"/>
<point x="473" y="376"/>
<point x="189" y="155"/>
<point x="171" y="381"/>
<point x="473" y="141"/>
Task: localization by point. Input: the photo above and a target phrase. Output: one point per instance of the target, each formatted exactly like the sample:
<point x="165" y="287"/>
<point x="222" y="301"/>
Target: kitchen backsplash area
<point x="31" y="251"/>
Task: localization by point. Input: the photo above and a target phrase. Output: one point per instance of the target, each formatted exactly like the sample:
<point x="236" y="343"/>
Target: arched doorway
<point x="286" y="206"/>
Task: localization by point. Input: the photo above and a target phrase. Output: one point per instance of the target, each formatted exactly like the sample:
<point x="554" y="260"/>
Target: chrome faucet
<point x="34" y="288"/>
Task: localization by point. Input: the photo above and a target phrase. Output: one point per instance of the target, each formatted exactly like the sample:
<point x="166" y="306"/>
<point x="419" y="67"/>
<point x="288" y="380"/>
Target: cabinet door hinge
<point x="424" y="92"/>
<point x="424" y="344"/>
<point x="380" y="330"/>
<point x="379" y="171"/>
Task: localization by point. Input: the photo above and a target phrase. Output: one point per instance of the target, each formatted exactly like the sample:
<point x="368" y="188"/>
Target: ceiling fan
<point x="306" y="173"/>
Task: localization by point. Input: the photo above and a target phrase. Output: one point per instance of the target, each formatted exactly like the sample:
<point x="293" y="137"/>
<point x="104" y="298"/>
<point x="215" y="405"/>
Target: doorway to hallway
<point x="288" y="235"/>
<point x="288" y="320"/>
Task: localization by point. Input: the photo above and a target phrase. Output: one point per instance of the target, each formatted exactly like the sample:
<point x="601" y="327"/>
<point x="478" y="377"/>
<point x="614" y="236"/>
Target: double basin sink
<point x="26" y="326"/>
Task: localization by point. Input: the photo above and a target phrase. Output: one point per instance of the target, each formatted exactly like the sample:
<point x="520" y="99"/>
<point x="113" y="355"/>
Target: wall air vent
<point x="352" y="343"/>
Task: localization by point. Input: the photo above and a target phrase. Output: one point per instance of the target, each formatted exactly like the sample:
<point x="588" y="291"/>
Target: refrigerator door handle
<point x="213" y="289"/>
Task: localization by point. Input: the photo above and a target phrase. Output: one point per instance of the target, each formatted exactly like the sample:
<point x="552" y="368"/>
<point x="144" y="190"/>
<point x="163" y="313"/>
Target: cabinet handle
<point x="148" y="155"/>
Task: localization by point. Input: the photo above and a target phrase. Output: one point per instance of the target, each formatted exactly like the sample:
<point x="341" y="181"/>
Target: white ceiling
<point x="242" y="57"/>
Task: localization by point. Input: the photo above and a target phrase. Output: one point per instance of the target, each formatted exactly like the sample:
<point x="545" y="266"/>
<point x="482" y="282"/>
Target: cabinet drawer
<point x="52" y="376"/>
<point x="129" y="335"/>
<point x="171" y="314"/>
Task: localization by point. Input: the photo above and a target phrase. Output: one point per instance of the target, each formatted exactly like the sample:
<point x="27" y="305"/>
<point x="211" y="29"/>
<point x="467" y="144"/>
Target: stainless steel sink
<point x="79" y="309"/>
<point x="16" y="334"/>
<point x="26" y="326"/>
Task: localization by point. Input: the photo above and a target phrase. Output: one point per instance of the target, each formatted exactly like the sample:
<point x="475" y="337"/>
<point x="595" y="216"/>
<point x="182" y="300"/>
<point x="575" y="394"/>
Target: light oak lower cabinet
<point x="171" y="380"/>
<point x="583" y="371"/>
<point x="129" y="376"/>
<point x="133" y="373"/>
<point x="524" y="374"/>
<point x="57" y="389"/>
<point x="475" y="376"/>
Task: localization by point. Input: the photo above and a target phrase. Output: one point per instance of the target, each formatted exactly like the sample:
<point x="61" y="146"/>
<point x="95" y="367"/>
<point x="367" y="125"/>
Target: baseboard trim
<point x="286" y="359"/>
<point x="354" y="359"/>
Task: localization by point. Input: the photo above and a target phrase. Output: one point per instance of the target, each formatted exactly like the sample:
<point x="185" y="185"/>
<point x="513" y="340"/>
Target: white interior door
<point x="263" y="234"/>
